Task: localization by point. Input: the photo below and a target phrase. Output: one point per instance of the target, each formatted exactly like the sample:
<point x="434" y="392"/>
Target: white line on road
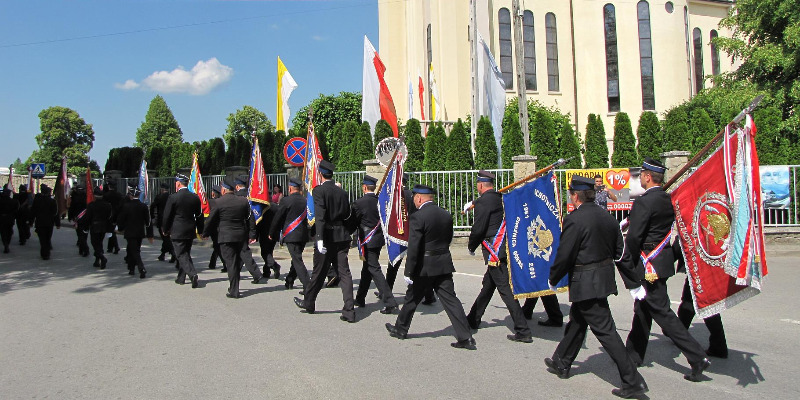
<point x="791" y="321"/>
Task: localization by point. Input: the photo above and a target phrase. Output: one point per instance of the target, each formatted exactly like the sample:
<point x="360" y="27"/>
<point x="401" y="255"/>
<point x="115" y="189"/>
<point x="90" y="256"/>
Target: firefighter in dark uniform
<point x="590" y="244"/>
<point x="266" y="243"/>
<point x="157" y="215"/>
<point x="114" y="198"/>
<point x="489" y="233"/>
<point x="25" y="201"/>
<point x="232" y="221"/>
<point x="77" y="205"/>
<point x="648" y="237"/>
<point x="216" y="192"/>
<point x="247" y="253"/>
<point x="8" y="214"/>
<point x="291" y="227"/>
<point x="44" y="215"/>
<point x="332" y="242"/>
<point x="134" y="221"/>
<point x="97" y="220"/>
<point x="183" y="218"/>
<point x="430" y="264"/>
<point x="364" y="212"/>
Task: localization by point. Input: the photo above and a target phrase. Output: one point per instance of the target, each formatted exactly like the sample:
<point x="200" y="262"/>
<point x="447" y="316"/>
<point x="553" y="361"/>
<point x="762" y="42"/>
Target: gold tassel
<point x="651" y="277"/>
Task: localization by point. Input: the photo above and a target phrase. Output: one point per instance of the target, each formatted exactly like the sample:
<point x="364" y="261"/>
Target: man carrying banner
<point x="212" y="262"/>
<point x="291" y="228"/>
<point x="183" y="218"/>
<point x="648" y="252"/>
<point x="489" y="232"/>
<point x="157" y="214"/>
<point x="134" y="223"/>
<point x="114" y="198"/>
<point x="247" y="253"/>
<point x="590" y="242"/>
<point x="44" y="215"/>
<point x="77" y="205"/>
<point x="97" y="220"/>
<point x="364" y="212"/>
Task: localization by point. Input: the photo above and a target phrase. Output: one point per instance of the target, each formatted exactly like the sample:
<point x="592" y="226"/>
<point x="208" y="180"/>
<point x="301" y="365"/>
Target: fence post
<point x="523" y="166"/>
<point x="374" y="168"/>
<point x="674" y="161"/>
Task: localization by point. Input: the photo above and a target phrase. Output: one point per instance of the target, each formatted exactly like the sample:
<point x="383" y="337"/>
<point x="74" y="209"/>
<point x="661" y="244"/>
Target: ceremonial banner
<point x="717" y="217"/>
<point x="258" y="191"/>
<point x="491" y="91"/>
<point x="89" y="186"/>
<point x="286" y="85"/>
<point x="144" y="184"/>
<point x="532" y="216"/>
<point x="422" y="104"/>
<point x="196" y="185"/>
<point x="311" y="176"/>
<point x="436" y="105"/>
<point x="616" y="180"/>
<point x="376" y="101"/>
<point x="393" y="210"/>
<point x="62" y="188"/>
<point x="10" y="183"/>
<point x="30" y="181"/>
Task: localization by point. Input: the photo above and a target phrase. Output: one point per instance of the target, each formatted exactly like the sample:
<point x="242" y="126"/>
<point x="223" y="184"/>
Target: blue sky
<point x="226" y="48"/>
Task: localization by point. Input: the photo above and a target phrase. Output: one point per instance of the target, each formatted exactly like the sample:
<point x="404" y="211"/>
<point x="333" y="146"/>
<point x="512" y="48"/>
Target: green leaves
<point x="458" y="154"/>
<point x="624" y="143"/>
<point x="63" y="132"/>
<point x="596" y="153"/>
<point x="650" y="138"/>
<point x="485" y="145"/>
<point x="159" y="126"/>
<point x="415" y="145"/>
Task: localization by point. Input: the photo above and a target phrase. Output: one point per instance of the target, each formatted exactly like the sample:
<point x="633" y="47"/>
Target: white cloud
<point x="204" y="77"/>
<point x="318" y="38"/>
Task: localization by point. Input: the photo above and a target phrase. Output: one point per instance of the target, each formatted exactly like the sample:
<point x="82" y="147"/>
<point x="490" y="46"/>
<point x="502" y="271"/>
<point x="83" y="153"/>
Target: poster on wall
<point x="775" y="186"/>
<point x="616" y="181"/>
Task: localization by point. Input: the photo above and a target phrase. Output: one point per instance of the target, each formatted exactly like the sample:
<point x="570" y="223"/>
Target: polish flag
<point x="376" y="103"/>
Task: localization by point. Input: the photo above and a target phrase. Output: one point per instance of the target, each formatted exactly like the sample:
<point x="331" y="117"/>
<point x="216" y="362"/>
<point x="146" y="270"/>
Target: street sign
<point x="295" y="151"/>
<point x="37" y="171"/>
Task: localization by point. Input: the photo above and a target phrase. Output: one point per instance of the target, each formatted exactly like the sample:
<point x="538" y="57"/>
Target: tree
<point x="125" y="159"/>
<point x="511" y="142"/>
<point x="338" y="141"/>
<point x="359" y="149"/>
<point x="543" y="136"/>
<point x="770" y="143"/>
<point x="485" y="145"/>
<point x="328" y="110"/>
<point x="624" y="143"/>
<point x="435" y="149"/>
<point x="382" y="131"/>
<point x="596" y="153"/>
<point x="459" y="153"/>
<point x="159" y="126"/>
<point x="569" y="147"/>
<point x="701" y="129"/>
<point x="241" y="125"/>
<point x="217" y="160"/>
<point x="676" y="131"/>
<point x="649" y="136"/>
<point x="415" y="145"/>
<point x="63" y="133"/>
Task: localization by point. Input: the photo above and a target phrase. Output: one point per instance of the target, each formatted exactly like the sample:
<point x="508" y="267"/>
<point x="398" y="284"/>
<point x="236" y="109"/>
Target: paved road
<point x="72" y="331"/>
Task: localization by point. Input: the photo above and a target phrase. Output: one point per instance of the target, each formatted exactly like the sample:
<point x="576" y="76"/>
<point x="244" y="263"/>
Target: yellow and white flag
<point x="437" y="112"/>
<point x="286" y="85"/>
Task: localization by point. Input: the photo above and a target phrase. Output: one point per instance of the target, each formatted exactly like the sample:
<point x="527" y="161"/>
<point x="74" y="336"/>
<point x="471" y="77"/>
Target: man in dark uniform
<point x="8" y="214"/>
<point x="114" y="198"/>
<point x="266" y="243"/>
<point x="291" y="227"/>
<point x="134" y="221"/>
<point x="429" y="264"/>
<point x="98" y="220"/>
<point x="364" y="212"/>
<point x="489" y="233"/>
<point x="649" y="232"/>
<point x="44" y="214"/>
<point x="216" y="192"/>
<point x="183" y="218"/>
<point x="25" y="200"/>
<point x="332" y="241"/>
<point x="77" y="205"/>
<point x="247" y="253"/>
<point x="232" y="221"/>
<point x="590" y="243"/>
<point x="157" y="214"/>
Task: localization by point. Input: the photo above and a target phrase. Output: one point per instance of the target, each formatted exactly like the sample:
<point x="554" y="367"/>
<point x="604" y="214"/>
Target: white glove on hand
<point x="467" y="206"/>
<point x="108" y="235"/>
<point x="408" y="280"/>
<point x="553" y="288"/>
<point x="638" y="293"/>
<point x="321" y="248"/>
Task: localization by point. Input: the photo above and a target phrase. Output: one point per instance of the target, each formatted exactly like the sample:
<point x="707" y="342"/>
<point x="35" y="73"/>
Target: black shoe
<point x="161" y="257"/>
<point x="130" y="272"/>
<point x="550" y="322"/>
<point x="223" y="269"/>
<point x="289" y="285"/>
<point x="142" y="274"/>
<point x="212" y="266"/>
<point x="332" y="282"/>
<point x="5" y="250"/>
<point x="697" y="371"/>
<point x="301" y="304"/>
<point x="96" y="262"/>
<point x="429" y="302"/>
<point x="520" y="338"/>
<point x="302" y="292"/>
<point x="468" y="344"/>
<point x="562" y="373"/>
<point x="264" y="279"/>
<point x="103" y="263"/>
<point x="345" y="319"/>
<point x="276" y="271"/>
<point x="718" y="353"/>
<point x="116" y="250"/>
<point x="394" y="332"/>
<point x="473" y="324"/>
<point x="232" y="296"/>
<point x="388" y="310"/>
<point x="172" y="260"/>
<point x="359" y="303"/>
<point x="195" y="282"/>
<point x="631" y="392"/>
<point x="180" y="282"/>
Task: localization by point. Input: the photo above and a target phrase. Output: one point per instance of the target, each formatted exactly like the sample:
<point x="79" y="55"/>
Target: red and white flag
<point x="376" y="103"/>
<point x="89" y="186"/>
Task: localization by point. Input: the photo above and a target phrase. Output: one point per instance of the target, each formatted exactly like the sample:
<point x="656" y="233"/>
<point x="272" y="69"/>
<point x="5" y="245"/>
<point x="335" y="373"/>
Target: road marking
<point x="791" y="321"/>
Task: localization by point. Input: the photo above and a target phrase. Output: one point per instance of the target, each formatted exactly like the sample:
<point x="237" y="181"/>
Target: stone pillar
<point x="374" y="168"/>
<point x="674" y="161"/>
<point x="523" y="166"/>
<point x="235" y="171"/>
<point x="293" y="172"/>
<point x="114" y="177"/>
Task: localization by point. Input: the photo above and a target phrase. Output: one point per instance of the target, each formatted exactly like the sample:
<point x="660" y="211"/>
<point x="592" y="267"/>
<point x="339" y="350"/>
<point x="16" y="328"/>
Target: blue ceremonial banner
<point x="393" y="210"/>
<point x="532" y="215"/>
<point x="144" y="184"/>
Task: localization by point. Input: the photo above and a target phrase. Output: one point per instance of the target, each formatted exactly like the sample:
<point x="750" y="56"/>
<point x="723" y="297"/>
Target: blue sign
<point x="295" y="151"/>
<point x="37" y="171"/>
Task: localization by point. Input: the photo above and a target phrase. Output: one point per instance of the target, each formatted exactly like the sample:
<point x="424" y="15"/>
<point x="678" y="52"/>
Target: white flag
<point x="286" y="86"/>
<point x="491" y="90"/>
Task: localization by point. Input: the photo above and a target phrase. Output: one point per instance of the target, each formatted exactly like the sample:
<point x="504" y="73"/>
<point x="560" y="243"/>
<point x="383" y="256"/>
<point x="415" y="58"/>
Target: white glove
<point x="108" y="235"/>
<point x="467" y="206"/>
<point x="553" y="288"/>
<point x="408" y="280"/>
<point x="321" y="248"/>
<point x="638" y="293"/>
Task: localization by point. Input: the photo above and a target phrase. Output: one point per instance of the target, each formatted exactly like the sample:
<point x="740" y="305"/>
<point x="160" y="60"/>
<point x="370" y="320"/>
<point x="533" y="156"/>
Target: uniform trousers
<point x="686" y="313"/>
<point x="267" y="247"/>
<point x="371" y="270"/>
<point x="656" y="306"/>
<point x="183" y="251"/>
<point x="496" y="278"/>
<point x="298" y="269"/>
<point x="133" y="252"/>
<point x="334" y="258"/>
<point x="45" y="234"/>
<point x="215" y="253"/>
<point x="166" y="244"/>
<point x="551" y="307"/>
<point x="231" y="254"/>
<point x="391" y="276"/>
<point x="97" y="245"/>
<point x="445" y="290"/>
<point x="6" y="229"/>
<point x="595" y="314"/>
<point x="23" y="229"/>
<point x="247" y="258"/>
<point x="83" y="245"/>
<point x="113" y="243"/>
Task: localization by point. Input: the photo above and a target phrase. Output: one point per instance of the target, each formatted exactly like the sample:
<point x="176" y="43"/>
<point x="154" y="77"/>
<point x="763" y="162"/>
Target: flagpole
<point x="711" y="144"/>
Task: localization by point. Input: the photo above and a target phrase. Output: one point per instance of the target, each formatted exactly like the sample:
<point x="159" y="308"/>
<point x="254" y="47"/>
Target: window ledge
<point x="612" y="114"/>
<point x="554" y="93"/>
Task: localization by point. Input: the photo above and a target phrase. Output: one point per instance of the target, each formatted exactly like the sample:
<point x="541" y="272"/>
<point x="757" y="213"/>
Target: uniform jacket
<point x="331" y="210"/>
<point x="25" y="201"/>
<point x="183" y="215"/>
<point x="231" y="219"/>
<point x="116" y="199"/>
<point x="8" y="210"/>
<point x="408" y="198"/>
<point x="44" y="211"/>
<point x="98" y="216"/>
<point x="157" y="208"/>
<point x="291" y="207"/>
<point x="488" y="218"/>
<point x="429" y="237"/>
<point x="267" y="223"/>
<point x="590" y="243"/>
<point x="650" y="220"/>
<point x="134" y="220"/>
<point x="366" y="217"/>
<point x="77" y="204"/>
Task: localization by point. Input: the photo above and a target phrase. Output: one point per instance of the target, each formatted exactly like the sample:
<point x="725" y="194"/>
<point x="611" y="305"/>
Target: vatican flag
<point x="286" y="85"/>
<point x="436" y="105"/>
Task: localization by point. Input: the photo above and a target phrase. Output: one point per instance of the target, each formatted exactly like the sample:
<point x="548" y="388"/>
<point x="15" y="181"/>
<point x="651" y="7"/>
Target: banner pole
<point x="536" y="174"/>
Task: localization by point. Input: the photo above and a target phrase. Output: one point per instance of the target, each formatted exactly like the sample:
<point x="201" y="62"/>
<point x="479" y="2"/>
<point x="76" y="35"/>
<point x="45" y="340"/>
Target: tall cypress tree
<point x="596" y="153"/>
<point x="511" y="142"/>
<point x="382" y="131"/>
<point x="485" y="145"/>
<point x="543" y="136"/>
<point x="415" y="145"/>
<point x="360" y="149"/>
<point x="569" y="147"/>
<point x="159" y="126"/>
<point x="624" y="143"/>
<point x="459" y="152"/>
<point x="771" y="144"/>
<point x="649" y="135"/>
<point x="702" y="129"/>
<point x="337" y="142"/>
<point x="676" y="131"/>
<point x="435" y="149"/>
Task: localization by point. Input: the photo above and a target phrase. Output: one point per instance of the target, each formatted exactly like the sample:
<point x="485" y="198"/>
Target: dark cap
<point x="216" y="188"/>
<point x="240" y="182"/>
<point x="581" y="183"/>
<point x="225" y="184"/>
<point x="326" y="167"/>
<point x="653" y="165"/>
<point x="43" y="186"/>
<point x="369" y="181"/>
<point x="423" y="189"/>
<point x="182" y="178"/>
<point x="98" y="192"/>
<point x="485" y="176"/>
<point x="295" y="182"/>
<point x="164" y="186"/>
<point x="23" y="188"/>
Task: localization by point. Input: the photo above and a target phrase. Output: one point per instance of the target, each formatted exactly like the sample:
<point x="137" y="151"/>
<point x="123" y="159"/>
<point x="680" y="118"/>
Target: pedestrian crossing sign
<point x="37" y="171"/>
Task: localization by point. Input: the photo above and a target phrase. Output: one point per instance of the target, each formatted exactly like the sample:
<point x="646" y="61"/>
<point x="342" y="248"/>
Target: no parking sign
<point x="294" y="151"/>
